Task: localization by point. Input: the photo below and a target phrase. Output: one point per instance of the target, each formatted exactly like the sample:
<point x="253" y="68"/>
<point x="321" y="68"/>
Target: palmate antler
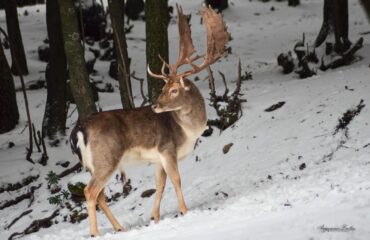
<point x="217" y="37"/>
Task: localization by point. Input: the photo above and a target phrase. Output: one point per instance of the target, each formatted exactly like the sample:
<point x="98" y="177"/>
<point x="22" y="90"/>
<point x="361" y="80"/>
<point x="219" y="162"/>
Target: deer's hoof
<point x="155" y="219"/>
<point x="94" y="234"/>
<point x="119" y="229"/>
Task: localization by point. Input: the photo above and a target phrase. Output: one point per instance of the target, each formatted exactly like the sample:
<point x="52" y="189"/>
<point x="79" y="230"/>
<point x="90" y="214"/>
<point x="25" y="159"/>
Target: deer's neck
<point x="192" y="116"/>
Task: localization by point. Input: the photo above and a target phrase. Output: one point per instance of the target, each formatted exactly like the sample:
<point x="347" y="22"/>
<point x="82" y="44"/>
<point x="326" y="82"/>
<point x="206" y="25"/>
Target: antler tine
<point x="162" y="70"/>
<point x="217" y="37"/>
<point x="165" y="78"/>
<point x="165" y="64"/>
<point x="186" y="47"/>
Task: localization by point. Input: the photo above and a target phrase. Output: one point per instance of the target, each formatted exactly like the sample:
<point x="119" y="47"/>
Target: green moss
<point x="77" y="189"/>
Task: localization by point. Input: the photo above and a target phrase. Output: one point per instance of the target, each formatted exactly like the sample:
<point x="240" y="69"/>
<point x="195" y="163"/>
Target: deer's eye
<point x="174" y="91"/>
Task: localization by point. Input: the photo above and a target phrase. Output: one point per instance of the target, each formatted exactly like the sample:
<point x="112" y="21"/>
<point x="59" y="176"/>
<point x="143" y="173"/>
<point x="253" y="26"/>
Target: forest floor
<point x="292" y="173"/>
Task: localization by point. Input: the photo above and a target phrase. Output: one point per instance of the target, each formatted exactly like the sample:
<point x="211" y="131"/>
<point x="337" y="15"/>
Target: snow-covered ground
<point x="288" y="175"/>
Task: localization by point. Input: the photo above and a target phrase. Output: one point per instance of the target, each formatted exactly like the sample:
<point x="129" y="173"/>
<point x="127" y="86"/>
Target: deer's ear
<point x="186" y="87"/>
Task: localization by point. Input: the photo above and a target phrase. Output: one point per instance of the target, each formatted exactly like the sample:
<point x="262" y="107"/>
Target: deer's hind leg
<point x="92" y="191"/>
<point x="103" y="205"/>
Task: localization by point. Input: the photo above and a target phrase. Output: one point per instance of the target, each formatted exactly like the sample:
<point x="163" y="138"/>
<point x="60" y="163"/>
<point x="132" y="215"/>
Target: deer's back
<point x="124" y="135"/>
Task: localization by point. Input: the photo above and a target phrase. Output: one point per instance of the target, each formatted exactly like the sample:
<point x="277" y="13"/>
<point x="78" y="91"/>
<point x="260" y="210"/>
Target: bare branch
<point x="211" y="83"/>
<point x="239" y="80"/>
<point x="225" y="84"/>
<point x="30" y="147"/>
<point x="141" y="80"/>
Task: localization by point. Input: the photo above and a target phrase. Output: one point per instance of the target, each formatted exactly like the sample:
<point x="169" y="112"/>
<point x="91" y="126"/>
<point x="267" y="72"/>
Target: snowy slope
<point x="287" y="175"/>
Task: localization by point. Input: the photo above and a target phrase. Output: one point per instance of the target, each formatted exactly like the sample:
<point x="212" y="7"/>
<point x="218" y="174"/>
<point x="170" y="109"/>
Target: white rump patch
<point x="87" y="160"/>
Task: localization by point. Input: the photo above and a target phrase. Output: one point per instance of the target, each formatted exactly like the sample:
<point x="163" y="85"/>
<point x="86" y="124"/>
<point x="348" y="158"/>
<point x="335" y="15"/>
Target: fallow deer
<point x="161" y="134"/>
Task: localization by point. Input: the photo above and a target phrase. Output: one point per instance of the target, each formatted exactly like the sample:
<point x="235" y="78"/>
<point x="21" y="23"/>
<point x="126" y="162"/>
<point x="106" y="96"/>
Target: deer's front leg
<point x="160" y="176"/>
<point x="169" y="163"/>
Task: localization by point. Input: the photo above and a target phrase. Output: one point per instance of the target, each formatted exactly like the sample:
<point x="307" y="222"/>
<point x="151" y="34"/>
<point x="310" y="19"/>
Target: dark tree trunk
<point x="342" y="42"/>
<point x="293" y="3"/>
<point x="335" y="18"/>
<point x="156" y="21"/>
<point x="79" y="79"/>
<point x="116" y="11"/>
<point x="9" y="115"/>
<point x="327" y="23"/>
<point x="56" y="75"/>
<point x="366" y="5"/>
<point x="21" y="3"/>
<point x="220" y="5"/>
<point x="15" y="36"/>
<point x="133" y="9"/>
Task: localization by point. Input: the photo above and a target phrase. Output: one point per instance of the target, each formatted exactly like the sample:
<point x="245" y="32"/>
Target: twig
<point x="214" y="98"/>
<point x="141" y="80"/>
<point x="211" y="83"/>
<point x="72" y="112"/>
<point x="25" y="126"/>
<point x="30" y="147"/>
<point x="364" y="33"/>
<point x="225" y="84"/>
<point x="17" y="218"/>
<point x="239" y="80"/>
<point x="38" y="143"/>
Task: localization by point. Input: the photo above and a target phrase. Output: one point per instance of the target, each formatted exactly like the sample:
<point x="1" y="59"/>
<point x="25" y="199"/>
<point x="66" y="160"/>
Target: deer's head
<point x="177" y="90"/>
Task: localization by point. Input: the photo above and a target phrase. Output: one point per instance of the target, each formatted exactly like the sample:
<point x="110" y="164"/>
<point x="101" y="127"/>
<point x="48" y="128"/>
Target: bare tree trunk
<point x="366" y="5"/>
<point x="9" y="115"/>
<point x="15" y="36"/>
<point x="133" y="8"/>
<point x="342" y="43"/>
<point x="327" y="23"/>
<point x="116" y="11"/>
<point x="335" y="18"/>
<point x="80" y="84"/>
<point x="293" y="3"/>
<point x="156" y="24"/>
<point x="56" y="75"/>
